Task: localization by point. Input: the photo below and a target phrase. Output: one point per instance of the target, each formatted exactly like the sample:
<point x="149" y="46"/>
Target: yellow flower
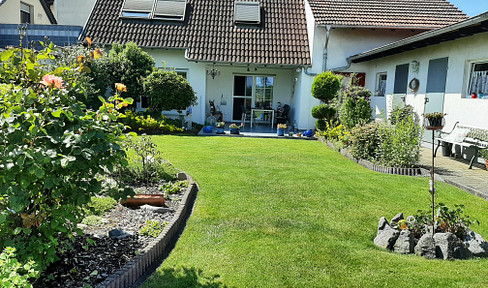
<point x="97" y="53"/>
<point x="80" y="58"/>
<point x="88" y="40"/>
<point x="120" y="87"/>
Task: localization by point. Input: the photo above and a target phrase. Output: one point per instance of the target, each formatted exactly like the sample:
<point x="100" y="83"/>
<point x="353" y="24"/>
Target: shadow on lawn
<point x="184" y="277"/>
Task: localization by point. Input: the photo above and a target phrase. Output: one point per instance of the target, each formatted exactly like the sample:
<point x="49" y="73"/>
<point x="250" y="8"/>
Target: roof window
<point x="247" y="12"/>
<point x="172" y="10"/>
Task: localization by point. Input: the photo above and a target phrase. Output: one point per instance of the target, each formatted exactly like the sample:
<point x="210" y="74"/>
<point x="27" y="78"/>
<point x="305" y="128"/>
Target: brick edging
<point x="382" y="169"/>
<point x="131" y="272"/>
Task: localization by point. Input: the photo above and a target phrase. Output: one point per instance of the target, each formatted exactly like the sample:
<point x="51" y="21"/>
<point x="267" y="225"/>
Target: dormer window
<point x="170" y="10"/>
<point x="247" y="12"/>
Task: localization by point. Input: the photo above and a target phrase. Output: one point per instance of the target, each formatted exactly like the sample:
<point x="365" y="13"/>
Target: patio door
<point x="435" y="89"/>
<point x="251" y="91"/>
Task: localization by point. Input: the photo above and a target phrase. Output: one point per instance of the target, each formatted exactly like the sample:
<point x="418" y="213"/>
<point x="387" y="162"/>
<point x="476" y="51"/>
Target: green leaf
<point x="17" y="231"/>
<point x="5" y="55"/>
<point x="48" y="183"/>
<point x="57" y="113"/>
<point x="3" y="217"/>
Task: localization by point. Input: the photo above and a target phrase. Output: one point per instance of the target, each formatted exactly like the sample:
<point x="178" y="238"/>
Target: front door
<point x="435" y="89"/>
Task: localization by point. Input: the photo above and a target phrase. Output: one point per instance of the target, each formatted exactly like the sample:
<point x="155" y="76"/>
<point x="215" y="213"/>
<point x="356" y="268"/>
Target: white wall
<point x="10" y="12"/>
<point x="460" y="52"/>
<point x="196" y="75"/>
<point x="223" y="84"/>
<point x="72" y="12"/>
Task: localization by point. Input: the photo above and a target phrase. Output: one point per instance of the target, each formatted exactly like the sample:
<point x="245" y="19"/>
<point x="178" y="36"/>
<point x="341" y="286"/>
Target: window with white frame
<point x="26" y="12"/>
<point x="252" y="91"/>
<point x="380" y="84"/>
<point x="167" y="10"/>
<point x="478" y="80"/>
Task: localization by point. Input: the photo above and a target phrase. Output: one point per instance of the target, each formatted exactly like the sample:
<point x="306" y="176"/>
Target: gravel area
<point x="86" y="265"/>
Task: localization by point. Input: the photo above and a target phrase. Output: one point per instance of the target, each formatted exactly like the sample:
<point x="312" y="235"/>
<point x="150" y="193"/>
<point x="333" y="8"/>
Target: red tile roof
<point x="427" y="14"/>
<point x="209" y="32"/>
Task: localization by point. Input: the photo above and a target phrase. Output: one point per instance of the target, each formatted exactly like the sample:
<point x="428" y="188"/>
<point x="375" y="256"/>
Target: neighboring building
<point x="39" y="21"/>
<point x="247" y="54"/>
<point x="436" y="71"/>
<point x="72" y="12"/>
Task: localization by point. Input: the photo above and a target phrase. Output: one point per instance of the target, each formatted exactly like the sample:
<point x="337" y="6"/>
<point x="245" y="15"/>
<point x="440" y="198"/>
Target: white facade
<point x="10" y="12"/>
<point x="461" y="54"/>
<point x="72" y="12"/>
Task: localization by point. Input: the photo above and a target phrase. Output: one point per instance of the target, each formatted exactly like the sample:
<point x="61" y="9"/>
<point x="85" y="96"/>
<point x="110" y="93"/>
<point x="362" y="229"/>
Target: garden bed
<point x="119" y="260"/>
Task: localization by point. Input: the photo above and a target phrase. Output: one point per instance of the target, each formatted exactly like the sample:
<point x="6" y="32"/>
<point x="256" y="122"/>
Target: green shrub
<point x="148" y="124"/>
<point x="355" y="92"/>
<point x="53" y="150"/>
<point x="400" y="144"/>
<point x="167" y="90"/>
<point x="14" y="274"/>
<point x="92" y="220"/>
<point x="321" y="124"/>
<point x="325" y="86"/>
<point x="153" y="228"/>
<point x="365" y="141"/>
<point x="99" y="205"/>
<point x="402" y="112"/>
<point x="147" y="166"/>
<point x="354" y="112"/>
<point x="173" y="188"/>
<point x="323" y="111"/>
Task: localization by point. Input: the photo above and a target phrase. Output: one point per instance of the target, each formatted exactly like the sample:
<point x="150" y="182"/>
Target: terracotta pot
<point x="144" y="199"/>
<point x="486" y="163"/>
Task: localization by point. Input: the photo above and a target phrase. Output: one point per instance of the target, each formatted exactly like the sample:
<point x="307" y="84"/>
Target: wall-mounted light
<point x="213" y="72"/>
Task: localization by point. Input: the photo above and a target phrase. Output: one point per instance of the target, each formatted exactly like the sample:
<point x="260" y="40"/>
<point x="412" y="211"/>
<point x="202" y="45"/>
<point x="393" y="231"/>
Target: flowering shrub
<point x="365" y="141"/>
<point x="52" y="150"/>
<point x="235" y="126"/>
<point x="281" y="126"/>
<point x="221" y="125"/>
<point x="147" y="124"/>
<point x="14" y="274"/>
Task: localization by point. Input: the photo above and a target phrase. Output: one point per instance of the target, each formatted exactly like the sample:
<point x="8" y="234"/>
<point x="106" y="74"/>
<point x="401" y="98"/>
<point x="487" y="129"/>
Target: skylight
<point x="172" y="10"/>
<point x="247" y="12"/>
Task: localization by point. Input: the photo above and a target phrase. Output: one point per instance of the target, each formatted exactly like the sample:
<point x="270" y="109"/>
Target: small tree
<point x="167" y="90"/>
<point x="325" y="88"/>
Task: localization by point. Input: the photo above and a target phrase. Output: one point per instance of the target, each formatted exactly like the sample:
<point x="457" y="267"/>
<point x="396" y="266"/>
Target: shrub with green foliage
<point x="146" y="124"/>
<point x="167" y="90"/>
<point x="92" y="220"/>
<point x="325" y="86"/>
<point x="14" y="274"/>
<point x="99" y="205"/>
<point x="153" y="228"/>
<point x="355" y="112"/>
<point x="52" y="151"/>
<point x="402" y="112"/>
<point x="365" y="141"/>
<point x="321" y="124"/>
<point x="323" y="111"/>
<point x="173" y="188"/>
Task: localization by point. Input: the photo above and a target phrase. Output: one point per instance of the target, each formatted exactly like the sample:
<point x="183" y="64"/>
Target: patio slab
<point x="455" y="171"/>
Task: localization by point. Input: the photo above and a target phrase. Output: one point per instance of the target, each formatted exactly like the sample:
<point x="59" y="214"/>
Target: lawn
<point x="285" y="213"/>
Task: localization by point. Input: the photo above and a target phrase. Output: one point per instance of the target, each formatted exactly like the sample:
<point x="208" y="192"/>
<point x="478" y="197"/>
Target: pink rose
<point x="52" y="81"/>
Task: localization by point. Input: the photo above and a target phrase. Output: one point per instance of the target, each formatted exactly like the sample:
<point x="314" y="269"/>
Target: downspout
<point x="326" y="48"/>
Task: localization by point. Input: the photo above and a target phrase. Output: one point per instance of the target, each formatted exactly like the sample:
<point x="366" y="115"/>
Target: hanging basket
<point x="434" y="123"/>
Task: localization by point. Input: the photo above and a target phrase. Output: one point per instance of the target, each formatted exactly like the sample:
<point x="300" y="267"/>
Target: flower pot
<point x="435" y="122"/>
<point x="208" y="129"/>
<point x="220" y="130"/>
<point x="281" y="132"/>
<point x="234" y="131"/>
<point x="486" y="164"/>
<point x="144" y="199"/>
<point x="446" y="148"/>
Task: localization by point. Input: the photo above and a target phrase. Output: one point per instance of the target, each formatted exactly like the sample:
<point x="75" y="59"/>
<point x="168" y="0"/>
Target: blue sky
<point x="471" y="7"/>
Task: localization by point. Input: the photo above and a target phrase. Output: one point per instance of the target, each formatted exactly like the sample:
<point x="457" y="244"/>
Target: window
<point x="380" y="84"/>
<point x="170" y="10"/>
<point x="247" y="12"/>
<point x="252" y="91"/>
<point x="26" y="12"/>
<point x="401" y="79"/>
<point x="478" y="81"/>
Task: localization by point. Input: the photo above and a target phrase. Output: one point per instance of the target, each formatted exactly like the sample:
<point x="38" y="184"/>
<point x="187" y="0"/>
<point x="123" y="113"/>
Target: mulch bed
<point x="86" y="265"/>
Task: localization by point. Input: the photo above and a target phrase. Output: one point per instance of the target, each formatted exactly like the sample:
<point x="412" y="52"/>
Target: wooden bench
<point x="476" y="139"/>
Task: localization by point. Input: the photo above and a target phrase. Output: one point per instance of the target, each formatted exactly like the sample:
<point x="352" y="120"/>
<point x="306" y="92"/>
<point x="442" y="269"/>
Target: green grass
<point x="284" y="213"/>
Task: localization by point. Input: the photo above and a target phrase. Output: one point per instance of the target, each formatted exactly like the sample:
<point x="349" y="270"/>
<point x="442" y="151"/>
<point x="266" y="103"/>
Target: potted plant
<point x="435" y="119"/>
<point x="234" y="128"/>
<point x="220" y="128"/>
<point x="281" y="129"/>
<point x="484" y="155"/>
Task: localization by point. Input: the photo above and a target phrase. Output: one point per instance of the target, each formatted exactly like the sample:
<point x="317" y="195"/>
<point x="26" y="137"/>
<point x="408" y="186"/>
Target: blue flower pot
<point x="234" y="131"/>
<point x="208" y="129"/>
<point x="281" y="132"/>
<point x="220" y="130"/>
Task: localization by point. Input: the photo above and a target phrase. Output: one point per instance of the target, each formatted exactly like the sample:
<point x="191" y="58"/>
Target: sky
<point x="471" y="7"/>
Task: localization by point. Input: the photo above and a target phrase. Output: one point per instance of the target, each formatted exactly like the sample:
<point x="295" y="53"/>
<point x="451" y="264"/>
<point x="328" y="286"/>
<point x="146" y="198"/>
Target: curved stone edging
<point x="131" y="272"/>
<point x="377" y="168"/>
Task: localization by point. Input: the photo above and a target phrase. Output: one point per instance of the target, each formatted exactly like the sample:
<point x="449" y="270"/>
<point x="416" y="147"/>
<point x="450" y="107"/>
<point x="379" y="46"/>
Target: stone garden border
<point x="136" y="268"/>
<point x="382" y="169"/>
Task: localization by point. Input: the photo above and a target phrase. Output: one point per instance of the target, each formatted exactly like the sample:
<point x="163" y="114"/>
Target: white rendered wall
<point x="196" y="75"/>
<point x="461" y="53"/>
<point x="73" y="12"/>
<point x="10" y="12"/>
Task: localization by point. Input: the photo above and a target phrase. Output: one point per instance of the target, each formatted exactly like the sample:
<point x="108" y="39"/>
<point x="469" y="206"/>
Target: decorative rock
<point x="118" y="234"/>
<point x="475" y="243"/>
<point x="386" y="236"/>
<point x="397" y="218"/>
<point x="426" y="247"/>
<point x="404" y="244"/>
<point x="448" y="246"/>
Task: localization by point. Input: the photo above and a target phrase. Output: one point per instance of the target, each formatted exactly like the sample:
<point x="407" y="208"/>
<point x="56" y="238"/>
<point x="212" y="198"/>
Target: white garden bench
<point x="471" y="137"/>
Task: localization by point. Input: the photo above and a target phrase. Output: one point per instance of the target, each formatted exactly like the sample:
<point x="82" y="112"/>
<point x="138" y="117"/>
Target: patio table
<point x="264" y="111"/>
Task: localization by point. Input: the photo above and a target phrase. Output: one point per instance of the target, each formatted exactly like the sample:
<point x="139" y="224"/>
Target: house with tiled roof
<point x="443" y="70"/>
<point x="244" y="54"/>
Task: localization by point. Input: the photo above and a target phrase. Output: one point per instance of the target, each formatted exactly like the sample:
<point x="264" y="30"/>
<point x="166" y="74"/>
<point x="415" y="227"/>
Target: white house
<point x="444" y="70"/>
<point x="259" y="53"/>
